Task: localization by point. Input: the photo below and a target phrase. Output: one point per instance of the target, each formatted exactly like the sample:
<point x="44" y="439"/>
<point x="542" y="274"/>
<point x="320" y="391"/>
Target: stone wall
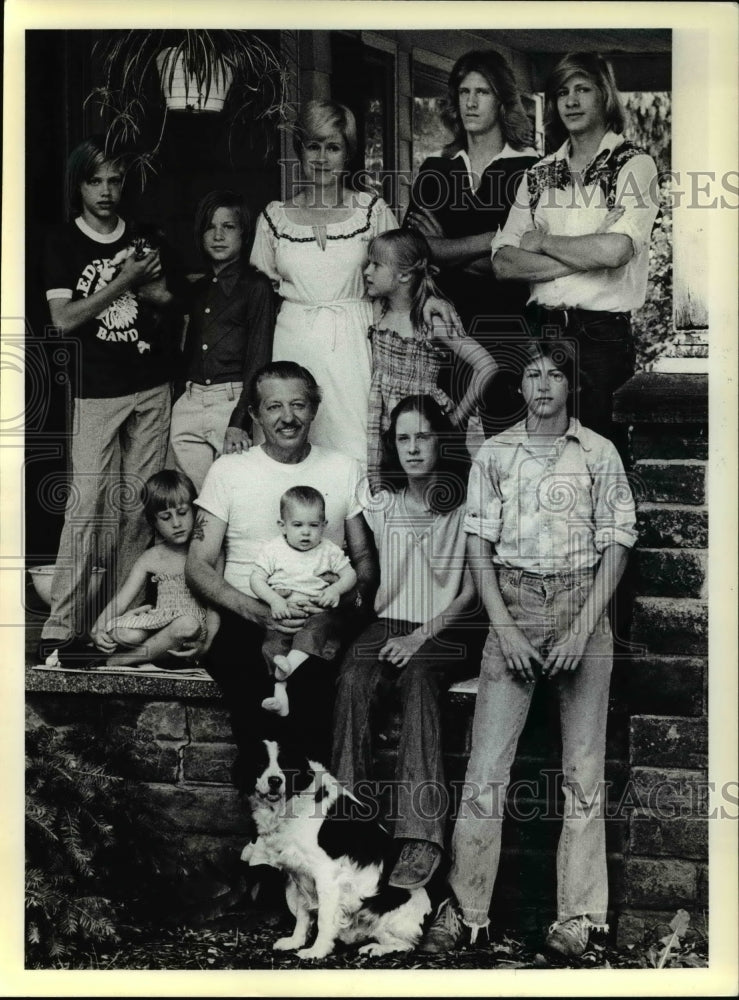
<point x="657" y="731"/>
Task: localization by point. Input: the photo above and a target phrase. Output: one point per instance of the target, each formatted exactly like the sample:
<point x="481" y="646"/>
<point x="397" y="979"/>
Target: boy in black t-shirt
<point x="109" y="292"/>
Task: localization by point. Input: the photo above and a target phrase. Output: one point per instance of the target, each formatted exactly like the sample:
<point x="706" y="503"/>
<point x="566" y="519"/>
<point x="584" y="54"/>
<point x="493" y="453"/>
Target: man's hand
<point x="399" y="650"/>
<point x="235" y="441"/>
<point x="518" y="652"/>
<point x="425" y="222"/>
<point x="532" y="240"/>
<point x="567" y="653"/>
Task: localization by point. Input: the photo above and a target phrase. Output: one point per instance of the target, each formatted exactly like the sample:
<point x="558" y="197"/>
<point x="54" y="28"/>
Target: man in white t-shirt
<point x="239" y="508"/>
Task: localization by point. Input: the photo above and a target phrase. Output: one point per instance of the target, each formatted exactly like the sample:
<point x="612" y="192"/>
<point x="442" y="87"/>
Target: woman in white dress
<point x="314" y="248"/>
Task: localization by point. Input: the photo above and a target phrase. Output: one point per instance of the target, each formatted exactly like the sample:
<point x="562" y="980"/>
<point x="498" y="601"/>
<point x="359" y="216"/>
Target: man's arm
<point x="513" y="263"/>
<point x="581" y="253"/>
<point x="203" y="576"/>
<point x="68" y="314"/>
<point x="568" y="651"/>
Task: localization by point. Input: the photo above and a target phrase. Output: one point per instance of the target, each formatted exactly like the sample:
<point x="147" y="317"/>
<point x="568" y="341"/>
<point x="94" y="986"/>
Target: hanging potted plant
<point x="148" y="74"/>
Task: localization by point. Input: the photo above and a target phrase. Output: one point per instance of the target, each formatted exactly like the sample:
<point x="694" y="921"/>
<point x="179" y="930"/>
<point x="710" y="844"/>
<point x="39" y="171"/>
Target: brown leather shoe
<point x="417" y="862"/>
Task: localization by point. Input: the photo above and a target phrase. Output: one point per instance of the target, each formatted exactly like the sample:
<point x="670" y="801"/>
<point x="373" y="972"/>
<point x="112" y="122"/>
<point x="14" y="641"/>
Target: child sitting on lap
<point x="299" y="566"/>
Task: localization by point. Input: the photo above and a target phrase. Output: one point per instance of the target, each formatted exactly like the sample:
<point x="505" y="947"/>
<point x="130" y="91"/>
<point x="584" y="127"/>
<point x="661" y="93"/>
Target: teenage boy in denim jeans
<point x="550" y="519"/>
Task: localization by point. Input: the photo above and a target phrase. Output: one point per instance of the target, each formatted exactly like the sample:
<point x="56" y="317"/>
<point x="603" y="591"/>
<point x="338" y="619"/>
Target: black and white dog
<point x="334" y="855"/>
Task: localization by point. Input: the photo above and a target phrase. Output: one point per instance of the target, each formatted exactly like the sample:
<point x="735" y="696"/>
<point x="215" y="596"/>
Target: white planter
<point x="184" y="94"/>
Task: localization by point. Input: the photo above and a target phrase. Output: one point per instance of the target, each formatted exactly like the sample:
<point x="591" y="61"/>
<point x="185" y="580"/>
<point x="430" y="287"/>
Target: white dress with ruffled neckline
<point x="324" y="318"/>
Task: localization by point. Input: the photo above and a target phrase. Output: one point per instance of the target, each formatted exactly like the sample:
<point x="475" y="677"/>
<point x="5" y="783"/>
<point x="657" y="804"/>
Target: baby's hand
<point x="279" y="608"/>
<point x="328" y="598"/>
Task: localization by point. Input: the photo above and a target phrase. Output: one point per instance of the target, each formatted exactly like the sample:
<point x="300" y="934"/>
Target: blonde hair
<point x="320" y="117"/>
<point x="600" y="71"/>
<point x="409" y="252"/>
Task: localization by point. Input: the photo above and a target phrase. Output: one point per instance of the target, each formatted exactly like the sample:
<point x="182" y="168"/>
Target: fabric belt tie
<point x="335" y="306"/>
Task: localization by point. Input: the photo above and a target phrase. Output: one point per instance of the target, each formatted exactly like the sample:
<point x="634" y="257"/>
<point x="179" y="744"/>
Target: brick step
<point x="665" y="572"/>
<point x="669" y="741"/>
<point x="672" y="526"/>
<point x="670" y="625"/>
<point x="663" y="882"/>
<point x="678" y="481"/>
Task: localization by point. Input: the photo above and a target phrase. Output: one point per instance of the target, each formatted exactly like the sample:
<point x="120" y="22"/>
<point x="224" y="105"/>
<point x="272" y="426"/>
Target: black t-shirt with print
<point x="128" y="346"/>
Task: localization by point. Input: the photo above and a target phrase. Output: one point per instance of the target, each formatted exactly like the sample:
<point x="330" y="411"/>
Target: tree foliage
<point x="97" y="851"/>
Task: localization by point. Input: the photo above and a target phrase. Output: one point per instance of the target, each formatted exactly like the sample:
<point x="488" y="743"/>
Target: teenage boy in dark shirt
<point x="113" y="302"/>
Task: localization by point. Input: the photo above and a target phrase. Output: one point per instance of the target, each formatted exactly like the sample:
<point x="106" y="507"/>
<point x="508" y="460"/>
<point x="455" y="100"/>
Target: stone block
<point x="208" y="762"/>
<point x="660" y="883"/>
<point x="669" y="741"/>
<point x="669" y="441"/>
<point x="672" y="526"/>
<point x="208" y="721"/>
<point x="162" y="765"/>
<point x="681" y="482"/>
<point x="671" y="573"/>
<point x="165" y="720"/>
<point x="662" y="398"/>
<point x="669" y="625"/>
<point x="660" y="685"/>
<point x="667" y="792"/>
<point x="215" y="811"/>
<point x="683" y="837"/>
<point x="636" y="927"/>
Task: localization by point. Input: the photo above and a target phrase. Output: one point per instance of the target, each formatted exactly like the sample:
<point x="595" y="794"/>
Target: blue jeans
<point x="543" y="608"/>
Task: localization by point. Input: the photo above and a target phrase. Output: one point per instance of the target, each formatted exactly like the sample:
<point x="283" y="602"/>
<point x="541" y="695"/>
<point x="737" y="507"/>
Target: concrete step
<point x="671" y="572"/>
<point x="670" y="625"/>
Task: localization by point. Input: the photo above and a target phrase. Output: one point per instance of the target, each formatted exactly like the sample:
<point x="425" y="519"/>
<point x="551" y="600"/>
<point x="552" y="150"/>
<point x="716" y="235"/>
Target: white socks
<point x="284" y="666"/>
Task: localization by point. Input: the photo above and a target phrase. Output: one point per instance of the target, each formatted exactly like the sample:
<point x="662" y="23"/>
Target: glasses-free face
<point x="479" y="108"/>
<point x="303" y="525"/>
<point x="101" y="193"/>
<point x="417" y="444"/>
<point x="223" y="237"/>
<point x="285" y="413"/>
<point x="381" y="278"/>
<point x="324" y="158"/>
<point x="580" y="105"/>
<point x="545" y="389"/>
<point x="174" y="525"/>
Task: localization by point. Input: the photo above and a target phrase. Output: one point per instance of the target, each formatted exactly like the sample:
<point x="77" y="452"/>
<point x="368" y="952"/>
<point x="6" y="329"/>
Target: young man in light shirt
<point x="579" y="231"/>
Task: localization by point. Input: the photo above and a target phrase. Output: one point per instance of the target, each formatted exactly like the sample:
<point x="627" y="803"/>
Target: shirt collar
<point x="506" y="153"/>
<point x="575" y="432"/>
<point x="609" y="142"/>
<point x="228" y="276"/>
<point x="93" y="234"/>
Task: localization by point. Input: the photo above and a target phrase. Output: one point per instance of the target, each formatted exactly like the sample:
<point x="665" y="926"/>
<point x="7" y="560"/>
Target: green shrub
<point x="98" y="854"/>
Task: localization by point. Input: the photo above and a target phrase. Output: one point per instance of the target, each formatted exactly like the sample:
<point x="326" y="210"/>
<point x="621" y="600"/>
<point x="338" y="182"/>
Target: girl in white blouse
<point x="416" y="641"/>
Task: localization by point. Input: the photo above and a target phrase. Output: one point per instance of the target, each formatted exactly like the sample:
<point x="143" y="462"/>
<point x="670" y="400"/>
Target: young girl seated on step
<point x="178" y="626"/>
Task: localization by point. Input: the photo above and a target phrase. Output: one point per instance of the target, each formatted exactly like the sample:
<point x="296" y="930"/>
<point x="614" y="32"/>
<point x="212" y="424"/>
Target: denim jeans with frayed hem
<point x="543" y="609"/>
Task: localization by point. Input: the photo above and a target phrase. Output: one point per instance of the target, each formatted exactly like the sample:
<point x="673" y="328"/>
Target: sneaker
<point x="446" y="931"/>
<point x="569" y="938"/>
<point x="417" y="862"/>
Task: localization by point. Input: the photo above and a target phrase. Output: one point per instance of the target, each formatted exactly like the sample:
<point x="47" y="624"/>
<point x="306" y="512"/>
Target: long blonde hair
<point x="408" y="251"/>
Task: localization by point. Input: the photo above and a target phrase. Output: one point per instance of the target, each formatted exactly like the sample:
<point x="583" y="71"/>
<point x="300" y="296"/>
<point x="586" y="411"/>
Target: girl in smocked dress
<point x="314" y="248"/>
<point x="408" y="354"/>
<point x="178" y="625"/>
